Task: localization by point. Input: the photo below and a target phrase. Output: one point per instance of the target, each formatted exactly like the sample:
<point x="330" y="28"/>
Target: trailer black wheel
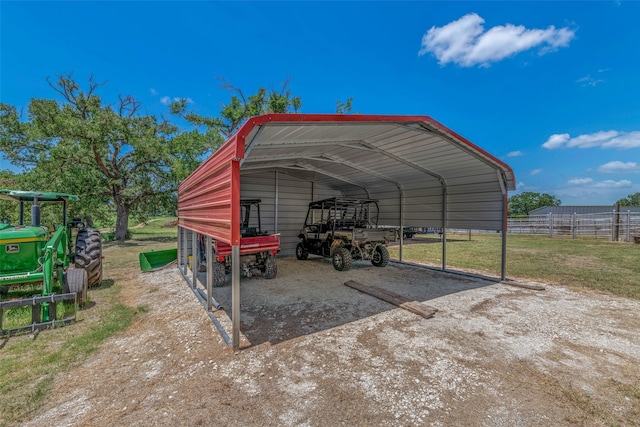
<point x="89" y="254"/>
<point x="301" y="252"/>
<point x="342" y="259"/>
<point x="270" y="267"/>
<point x="380" y="256"/>
<point x="219" y="274"/>
<point x="76" y="281"/>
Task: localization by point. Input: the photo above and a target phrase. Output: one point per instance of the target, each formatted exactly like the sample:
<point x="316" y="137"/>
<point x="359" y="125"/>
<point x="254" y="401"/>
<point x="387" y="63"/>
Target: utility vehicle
<point x="345" y="229"/>
<point x="258" y="248"/>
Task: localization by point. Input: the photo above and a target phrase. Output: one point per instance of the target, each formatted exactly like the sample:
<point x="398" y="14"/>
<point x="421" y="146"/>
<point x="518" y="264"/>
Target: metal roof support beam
<point x="321" y="171"/>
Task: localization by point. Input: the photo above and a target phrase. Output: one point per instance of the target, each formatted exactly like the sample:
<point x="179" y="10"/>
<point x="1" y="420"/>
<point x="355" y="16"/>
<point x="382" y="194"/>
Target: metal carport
<point x="422" y="173"/>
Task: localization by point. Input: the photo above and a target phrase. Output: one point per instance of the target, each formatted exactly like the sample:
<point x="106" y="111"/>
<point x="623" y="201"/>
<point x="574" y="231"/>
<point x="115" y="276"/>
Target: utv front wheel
<point x="341" y="259"/>
<point x="270" y="267"/>
<point x="301" y="252"/>
<point x="89" y="254"/>
<point x="380" y="256"/>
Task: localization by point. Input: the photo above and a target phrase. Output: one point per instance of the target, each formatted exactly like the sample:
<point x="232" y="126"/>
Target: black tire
<point x="76" y="281"/>
<point x="301" y="252"/>
<point x="380" y="256"/>
<point x="219" y="274"/>
<point x="341" y="259"/>
<point x="89" y="254"/>
<point x="270" y="267"/>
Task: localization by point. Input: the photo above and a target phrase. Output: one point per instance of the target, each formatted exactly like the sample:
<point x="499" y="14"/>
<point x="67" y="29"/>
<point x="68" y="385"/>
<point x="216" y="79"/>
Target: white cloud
<point x="515" y="154"/>
<point x="602" y="139"/>
<point x="612" y="184"/>
<point x="535" y="172"/>
<point x="606" y="184"/>
<point x="166" y="100"/>
<point x="153" y="91"/>
<point x="619" y="167"/>
<point x="580" y="181"/>
<point x="466" y="43"/>
<point x="589" y="81"/>
<point x="556" y="140"/>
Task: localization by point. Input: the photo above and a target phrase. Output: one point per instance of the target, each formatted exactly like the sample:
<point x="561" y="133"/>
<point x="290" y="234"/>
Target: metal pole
<point x="628" y="225"/>
<point x="401" y="222"/>
<point x="550" y="224"/>
<point x="505" y="222"/>
<point x="185" y="252"/>
<point x="194" y="255"/>
<point x="179" y="246"/>
<point x="209" y="263"/>
<point x="276" y="207"/>
<point x="573" y="225"/>
<point x="444" y="228"/>
<point x="235" y="295"/>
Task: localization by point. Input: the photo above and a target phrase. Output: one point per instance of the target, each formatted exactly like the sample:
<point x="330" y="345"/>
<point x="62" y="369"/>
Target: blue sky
<point x="551" y="88"/>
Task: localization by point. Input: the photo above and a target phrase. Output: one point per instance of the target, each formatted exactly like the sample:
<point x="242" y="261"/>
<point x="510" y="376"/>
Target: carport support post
<point x="505" y="229"/>
<point x="444" y="228"/>
<point x="185" y="251"/>
<point x="235" y="295"/>
<point x="194" y="255"/>
<point x="179" y="246"/>
<point x="209" y="260"/>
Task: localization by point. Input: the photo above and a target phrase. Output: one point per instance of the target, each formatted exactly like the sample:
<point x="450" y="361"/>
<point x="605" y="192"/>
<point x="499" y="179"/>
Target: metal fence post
<point x="550" y="224"/>
<point x="573" y="225"/>
<point x="613" y="226"/>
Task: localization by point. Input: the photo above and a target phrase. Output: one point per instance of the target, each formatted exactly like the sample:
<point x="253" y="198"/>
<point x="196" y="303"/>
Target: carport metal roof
<point x="359" y="155"/>
<point x="399" y="158"/>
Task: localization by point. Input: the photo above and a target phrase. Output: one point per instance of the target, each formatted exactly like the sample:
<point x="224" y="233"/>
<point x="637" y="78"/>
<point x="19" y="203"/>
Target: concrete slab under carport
<point x="310" y="296"/>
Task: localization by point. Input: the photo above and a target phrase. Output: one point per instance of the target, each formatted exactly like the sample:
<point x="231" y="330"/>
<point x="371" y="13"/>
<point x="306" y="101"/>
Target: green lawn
<point x="580" y="263"/>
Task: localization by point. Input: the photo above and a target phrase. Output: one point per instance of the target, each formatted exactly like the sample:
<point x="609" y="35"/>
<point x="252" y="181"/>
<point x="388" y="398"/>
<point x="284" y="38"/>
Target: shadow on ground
<point x="310" y="296"/>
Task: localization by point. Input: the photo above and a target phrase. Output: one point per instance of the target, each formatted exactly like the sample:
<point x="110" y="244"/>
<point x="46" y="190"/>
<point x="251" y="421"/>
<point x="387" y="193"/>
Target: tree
<point x="344" y="107"/>
<point x="523" y="203"/>
<point x="630" y="200"/>
<point x="111" y="156"/>
<point x="240" y="108"/>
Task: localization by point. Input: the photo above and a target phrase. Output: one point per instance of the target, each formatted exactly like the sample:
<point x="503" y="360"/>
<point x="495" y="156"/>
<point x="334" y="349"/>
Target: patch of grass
<point x="28" y="367"/>
<point x="579" y="263"/>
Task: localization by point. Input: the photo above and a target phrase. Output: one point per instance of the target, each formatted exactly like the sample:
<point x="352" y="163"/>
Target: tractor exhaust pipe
<point x="35" y="213"/>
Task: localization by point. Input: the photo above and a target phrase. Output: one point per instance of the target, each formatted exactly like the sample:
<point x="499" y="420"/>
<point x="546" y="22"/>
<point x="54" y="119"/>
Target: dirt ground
<point x="316" y="352"/>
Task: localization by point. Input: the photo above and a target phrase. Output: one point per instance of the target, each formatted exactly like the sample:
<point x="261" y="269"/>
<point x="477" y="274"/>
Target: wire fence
<point x="614" y="226"/>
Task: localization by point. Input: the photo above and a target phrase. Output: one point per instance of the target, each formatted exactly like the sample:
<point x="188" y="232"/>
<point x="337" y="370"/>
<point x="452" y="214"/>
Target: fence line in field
<point x="615" y="226"/>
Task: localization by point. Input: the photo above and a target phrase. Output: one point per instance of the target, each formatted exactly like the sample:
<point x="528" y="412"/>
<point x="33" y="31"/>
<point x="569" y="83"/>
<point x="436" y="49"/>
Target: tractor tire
<point x="219" y="274"/>
<point x="380" y="256"/>
<point x="89" y="254"/>
<point x="301" y="252"/>
<point x="76" y="281"/>
<point x="341" y="259"/>
<point x="271" y="267"/>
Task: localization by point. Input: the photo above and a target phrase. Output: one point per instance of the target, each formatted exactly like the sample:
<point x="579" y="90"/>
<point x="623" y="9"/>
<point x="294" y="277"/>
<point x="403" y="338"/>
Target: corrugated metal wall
<point x="206" y="197"/>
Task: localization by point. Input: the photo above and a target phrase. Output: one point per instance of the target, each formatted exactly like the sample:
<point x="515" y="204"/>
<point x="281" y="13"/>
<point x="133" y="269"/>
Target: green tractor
<point x="37" y="254"/>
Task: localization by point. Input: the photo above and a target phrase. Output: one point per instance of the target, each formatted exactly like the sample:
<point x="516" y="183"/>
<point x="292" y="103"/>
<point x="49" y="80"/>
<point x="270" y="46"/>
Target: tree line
<point x="117" y="157"/>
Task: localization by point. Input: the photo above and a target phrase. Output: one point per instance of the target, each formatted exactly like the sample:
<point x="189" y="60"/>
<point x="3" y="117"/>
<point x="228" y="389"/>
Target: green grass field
<point x="581" y="263"/>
